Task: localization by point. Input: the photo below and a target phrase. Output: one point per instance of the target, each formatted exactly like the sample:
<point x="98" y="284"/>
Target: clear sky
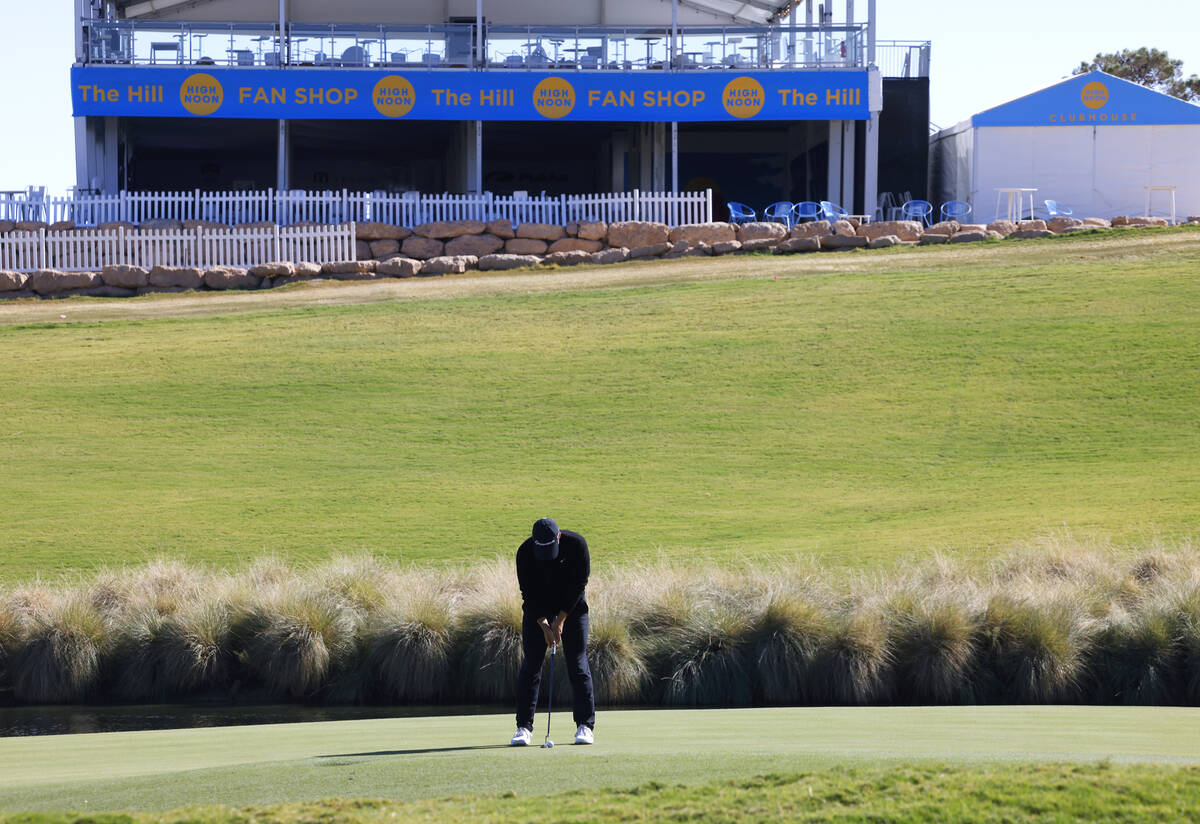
<point x="983" y="54"/>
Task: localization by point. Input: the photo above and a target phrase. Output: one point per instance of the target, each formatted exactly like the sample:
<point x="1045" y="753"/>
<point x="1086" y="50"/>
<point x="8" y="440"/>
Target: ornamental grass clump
<point x="488" y="636"/>
<point x="619" y="671"/>
<point x="294" y="642"/>
<point x="704" y="661"/>
<point x="1138" y="659"/>
<point x="59" y="655"/>
<point x="409" y="645"/>
<point x="363" y="582"/>
<point x="855" y="656"/>
<point x="934" y="641"/>
<point x="1034" y="651"/>
<point x="787" y="642"/>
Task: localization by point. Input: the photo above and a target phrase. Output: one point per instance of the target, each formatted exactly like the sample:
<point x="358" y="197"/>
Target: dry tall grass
<point x="1053" y="622"/>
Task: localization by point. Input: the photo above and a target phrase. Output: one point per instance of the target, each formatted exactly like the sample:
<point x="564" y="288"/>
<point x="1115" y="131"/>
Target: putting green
<point x="415" y="758"/>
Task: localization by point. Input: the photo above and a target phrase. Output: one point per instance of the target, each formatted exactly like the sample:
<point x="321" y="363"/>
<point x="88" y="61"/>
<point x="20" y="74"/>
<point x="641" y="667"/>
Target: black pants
<point x="574" y="643"/>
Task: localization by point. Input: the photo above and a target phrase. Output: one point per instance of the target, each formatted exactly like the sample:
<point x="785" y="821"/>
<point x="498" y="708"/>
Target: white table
<point x="1016" y="203"/>
<point x="859" y="218"/>
<point x="1151" y="189"/>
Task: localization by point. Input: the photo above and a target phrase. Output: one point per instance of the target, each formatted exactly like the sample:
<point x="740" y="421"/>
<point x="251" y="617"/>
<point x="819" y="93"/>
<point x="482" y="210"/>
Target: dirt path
<point x="1114" y="248"/>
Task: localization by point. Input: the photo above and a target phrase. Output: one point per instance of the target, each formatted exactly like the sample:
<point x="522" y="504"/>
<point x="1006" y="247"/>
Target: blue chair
<point x="806" y="210"/>
<point x="832" y="211"/>
<point x="740" y="213"/>
<point x="956" y="210"/>
<point x="1056" y="209"/>
<point x="918" y="210"/>
<point x="779" y="212"/>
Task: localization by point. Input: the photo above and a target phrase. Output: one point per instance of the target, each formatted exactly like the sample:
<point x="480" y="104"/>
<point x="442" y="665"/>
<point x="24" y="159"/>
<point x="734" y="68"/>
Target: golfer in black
<point x="552" y="570"/>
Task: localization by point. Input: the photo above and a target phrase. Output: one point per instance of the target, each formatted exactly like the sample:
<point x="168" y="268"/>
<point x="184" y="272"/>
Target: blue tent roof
<point x="1092" y="99"/>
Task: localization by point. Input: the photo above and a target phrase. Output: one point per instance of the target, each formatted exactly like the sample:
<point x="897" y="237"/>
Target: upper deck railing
<point x="435" y="46"/>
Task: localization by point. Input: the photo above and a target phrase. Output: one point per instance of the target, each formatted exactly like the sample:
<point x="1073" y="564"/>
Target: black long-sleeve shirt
<point x="548" y="587"/>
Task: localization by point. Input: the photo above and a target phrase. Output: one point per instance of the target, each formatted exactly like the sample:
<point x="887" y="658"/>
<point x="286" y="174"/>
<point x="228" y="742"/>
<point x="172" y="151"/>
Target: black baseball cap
<point x="545" y="539"/>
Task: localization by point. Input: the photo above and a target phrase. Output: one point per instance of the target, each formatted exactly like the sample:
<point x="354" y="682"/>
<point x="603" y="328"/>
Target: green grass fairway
<point x="859" y="408"/>
<point x="420" y="758"/>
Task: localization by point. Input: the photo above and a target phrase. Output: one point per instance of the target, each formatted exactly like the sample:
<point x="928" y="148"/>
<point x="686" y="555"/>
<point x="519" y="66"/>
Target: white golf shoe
<point x="522" y="737"/>
<point x="584" y="735"/>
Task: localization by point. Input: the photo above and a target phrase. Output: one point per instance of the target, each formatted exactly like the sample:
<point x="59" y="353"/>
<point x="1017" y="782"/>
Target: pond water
<point x="15" y="721"/>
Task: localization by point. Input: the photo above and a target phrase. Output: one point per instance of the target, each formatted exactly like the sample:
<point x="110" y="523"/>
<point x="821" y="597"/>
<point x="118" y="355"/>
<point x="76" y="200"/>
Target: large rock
<point x="1003" y="227"/>
<point x="761" y="244"/>
<point x="835" y="242"/>
<point x="202" y="224"/>
<point x="274" y="269"/>
<point x="525" y="246"/>
<point x="884" y="242"/>
<point x="477" y="245"/>
<point x="159" y="225"/>
<point x="63" y="226"/>
<point x="652" y="250"/>
<point x="1059" y="224"/>
<point x="52" y="281"/>
<point x="307" y="269"/>
<point x="1030" y="234"/>
<point x="229" y="277"/>
<point x="934" y="239"/>
<point x="108" y="292"/>
<point x="380" y="231"/>
<point x="1099" y="222"/>
<point x="726" y="247"/>
<point x="114" y="225"/>
<point x="970" y="236"/>
<point x="709" y="233"/>
<point x="760" y="231"/>
<point x="1037" y="225"/>
<point x="7" y="226"/>
<point x="637" y="234"/>
<point x="567" y="258"/>
<point x="1143" y="221"/>
<point x="421" y="247"/>
<point x="685" y="249"/>
<point x="175" y="277"/>
<point x="444" y="230"/>
<point x="608" y="256"/>
<point x="502" y="262"/>
<point x="11" y="281"/>
<point x="381" y="249"/>
<point x="125" y="277"/>
<point x="337" y="268"/>
<point x="574" y="244"/>
<point x="593" y="230"/>
<point x="844" y="227"/>
<point x="815" y="228"/>
<point x="362" y="250"/>
<point x="31" y="225"/>
<point x="908" y="230"/>
<point x="501" y="228"/>
<point x="946" y="227"/>
<point x="541" y="231"/>
<point x="794" y="245"/>
<point x="399" y="267"/>
<point x="449" y="265"/>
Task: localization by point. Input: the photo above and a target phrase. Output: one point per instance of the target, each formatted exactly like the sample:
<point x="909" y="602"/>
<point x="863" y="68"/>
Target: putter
<point x="548" y="744"/>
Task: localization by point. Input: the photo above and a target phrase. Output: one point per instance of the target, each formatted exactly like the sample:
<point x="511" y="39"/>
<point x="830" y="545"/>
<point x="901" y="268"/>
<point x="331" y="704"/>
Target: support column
<point x="835" y="162"/>
<point x="674" y="157"/>
<point x="620" y="151"/>
<point x="871" y="33"/>
<point x="660" y="156"/>
<point x="871" y="167"/>
<point x="110" y="169"/>
<point x="283" y="158"/>
<point x="284" y="44"/>
<point x="645" y="151"/>
<point x="848" y="170"/>
<point x="83" y="153"/>
<point x="808" y="35"/>
<point x="473" y="156"/>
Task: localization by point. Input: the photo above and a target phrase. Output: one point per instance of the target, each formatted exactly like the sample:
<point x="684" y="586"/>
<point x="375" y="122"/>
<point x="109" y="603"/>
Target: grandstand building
<point x="759" y="100"/>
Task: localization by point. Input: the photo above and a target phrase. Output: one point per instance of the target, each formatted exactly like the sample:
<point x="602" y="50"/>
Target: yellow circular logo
<point x="394" y="96"/>
<point x="743" y="97"/>
<point x="554" y="98"/>
<point x="1094" y="94"/>
<point x="201" y="94"/>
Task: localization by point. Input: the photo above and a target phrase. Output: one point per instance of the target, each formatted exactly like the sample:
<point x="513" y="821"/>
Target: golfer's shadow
<point x="424" y="751"/>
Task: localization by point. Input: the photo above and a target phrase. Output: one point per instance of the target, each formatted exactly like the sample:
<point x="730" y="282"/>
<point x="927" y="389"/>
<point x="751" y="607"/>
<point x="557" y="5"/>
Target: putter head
<point x="549" y="745"/>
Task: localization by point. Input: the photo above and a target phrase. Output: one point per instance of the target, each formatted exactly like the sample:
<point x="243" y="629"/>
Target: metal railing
<point x="572" y="48"/>
<point x="903" y="58"/>
<point x="408" y="209"/>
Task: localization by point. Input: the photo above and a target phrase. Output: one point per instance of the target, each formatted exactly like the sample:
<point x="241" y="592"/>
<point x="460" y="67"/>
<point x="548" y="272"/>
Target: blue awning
<point x="1092" y="99"/>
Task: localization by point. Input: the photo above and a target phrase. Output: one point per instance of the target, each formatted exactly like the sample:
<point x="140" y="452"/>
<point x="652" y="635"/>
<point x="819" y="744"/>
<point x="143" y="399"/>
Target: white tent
<point x="1093" y="142"/>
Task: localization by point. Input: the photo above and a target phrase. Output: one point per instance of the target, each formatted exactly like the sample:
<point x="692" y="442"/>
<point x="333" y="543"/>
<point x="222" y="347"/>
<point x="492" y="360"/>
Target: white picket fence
<point x="400" y="209"/>
<point x="90" y="250"/>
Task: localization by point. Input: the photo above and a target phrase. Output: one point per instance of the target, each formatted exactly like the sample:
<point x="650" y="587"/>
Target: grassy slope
<point x="864" y="408"/>
<point x="423" y="758"/>
<point x="917" y="794"/>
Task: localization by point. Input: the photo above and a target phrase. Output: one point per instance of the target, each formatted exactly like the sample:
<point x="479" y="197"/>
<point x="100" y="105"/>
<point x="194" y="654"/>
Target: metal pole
<point x="871" y="33"/>
<point x="478" y="157"/>
<point x="284" y="57"/>
<point x="674" y="31"/>
<point x="792" y="39"/>
<point x="674" y="157"/>
<point x="480" y="59"/>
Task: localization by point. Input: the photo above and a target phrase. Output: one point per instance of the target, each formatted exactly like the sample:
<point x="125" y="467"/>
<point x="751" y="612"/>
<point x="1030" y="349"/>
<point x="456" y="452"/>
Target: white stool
<point x="1151" y="189"/>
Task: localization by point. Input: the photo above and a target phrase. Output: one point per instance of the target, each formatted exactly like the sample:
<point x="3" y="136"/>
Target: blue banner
<point x="1092" y="99"/>
<point x="370" y="94"/>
